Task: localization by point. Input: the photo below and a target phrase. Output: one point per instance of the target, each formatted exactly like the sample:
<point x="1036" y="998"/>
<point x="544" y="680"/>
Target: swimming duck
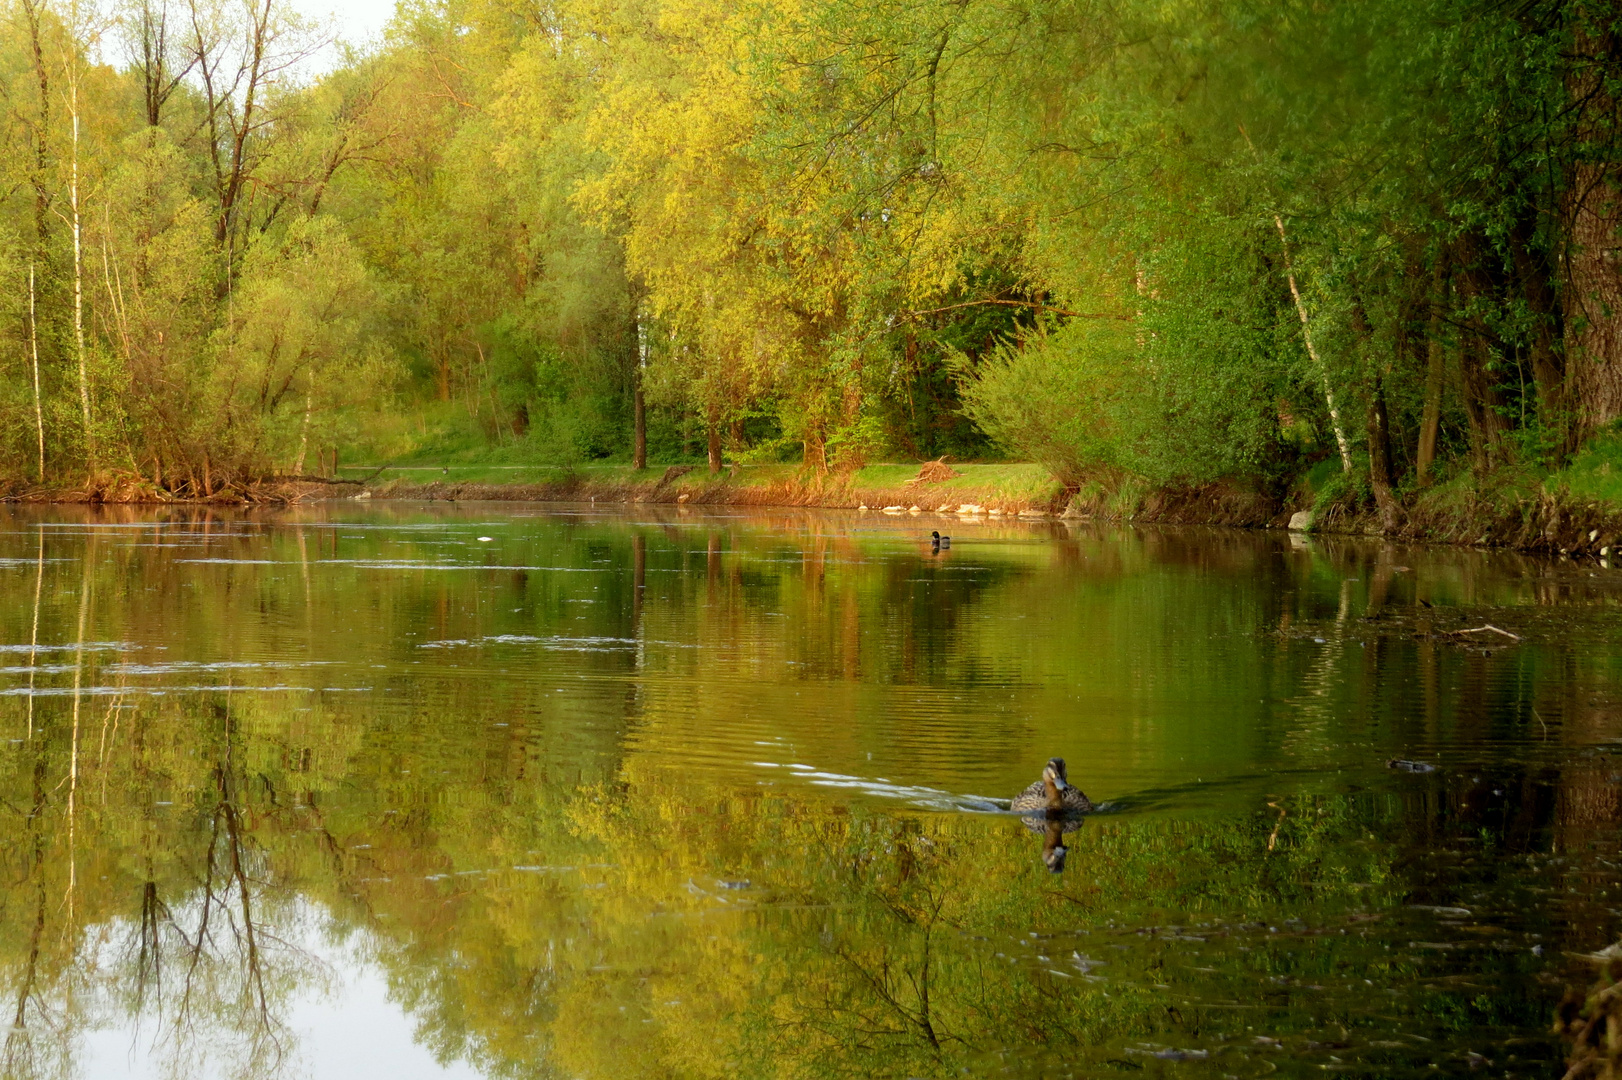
<point x="1052" y="794"/>
<point x="937" y="541"/>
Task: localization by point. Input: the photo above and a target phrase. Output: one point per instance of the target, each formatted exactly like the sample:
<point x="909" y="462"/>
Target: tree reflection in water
<point x="703" y="789"/>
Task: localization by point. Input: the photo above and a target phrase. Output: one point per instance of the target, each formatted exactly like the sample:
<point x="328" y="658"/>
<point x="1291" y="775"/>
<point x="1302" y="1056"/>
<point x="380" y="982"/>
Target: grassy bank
<point x="1576" y="510"/>
<point x="1002" y="488"/>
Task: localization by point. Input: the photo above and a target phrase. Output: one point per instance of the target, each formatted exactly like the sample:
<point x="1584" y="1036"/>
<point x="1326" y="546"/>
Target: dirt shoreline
<point x="1546" y="524"/>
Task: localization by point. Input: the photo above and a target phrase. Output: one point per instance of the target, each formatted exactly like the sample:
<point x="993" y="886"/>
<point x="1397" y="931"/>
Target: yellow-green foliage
<point x="1140" y="240"/>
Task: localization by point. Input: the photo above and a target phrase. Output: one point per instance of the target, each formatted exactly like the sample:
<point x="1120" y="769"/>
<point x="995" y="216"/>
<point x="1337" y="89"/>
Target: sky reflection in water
<point x="283" y="798"/>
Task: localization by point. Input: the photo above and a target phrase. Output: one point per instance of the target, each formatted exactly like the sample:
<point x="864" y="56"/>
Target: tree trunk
<point x="42" y="185"/>
<point x="158" y="77"/>
<point x="1377" y="424"/>
<point x="33" y="345"/>
<point x="304" y="429"/>
<point x="713" y="426"/>
<point x="1483" y="404"/>
<point x="1548" y="358"/>
<point x="1435" y="373"/>
<point x="1341" y="440"/>
<point x="78" y="272"/>
<point x="639" y="408"/>
<point x="1381" y="478"/>
<point x="639" y="444"/>
<point x="41" y="178"/>
<point x="1593" y="345"/>
<point x="442" y="373"/>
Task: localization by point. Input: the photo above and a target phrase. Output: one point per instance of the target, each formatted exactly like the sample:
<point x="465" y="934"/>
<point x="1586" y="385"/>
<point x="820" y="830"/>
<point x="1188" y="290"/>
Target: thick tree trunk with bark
<point x="1594" y="334"/>
<point x="1593" y="211"/>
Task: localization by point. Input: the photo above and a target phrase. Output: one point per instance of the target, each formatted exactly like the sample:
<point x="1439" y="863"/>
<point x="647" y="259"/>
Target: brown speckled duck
<point x="1052" y="794"/>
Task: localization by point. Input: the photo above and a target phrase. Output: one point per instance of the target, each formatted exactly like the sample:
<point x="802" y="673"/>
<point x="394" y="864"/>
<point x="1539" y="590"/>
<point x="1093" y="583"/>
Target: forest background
<point x="1368" y="247"/>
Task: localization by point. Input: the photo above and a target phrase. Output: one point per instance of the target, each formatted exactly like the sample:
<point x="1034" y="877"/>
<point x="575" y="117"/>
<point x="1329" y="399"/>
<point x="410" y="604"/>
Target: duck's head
<point x="935" y="536"/>
<point x="1053" y="773"/>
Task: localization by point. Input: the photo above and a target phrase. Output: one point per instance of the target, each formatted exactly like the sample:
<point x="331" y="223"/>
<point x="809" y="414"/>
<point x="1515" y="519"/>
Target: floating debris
<point x="1404" y="765"/>
<point x="1171" y="1054"/>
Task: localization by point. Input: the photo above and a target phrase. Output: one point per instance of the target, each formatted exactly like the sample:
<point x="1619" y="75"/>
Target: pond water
<point x="456" y="790"/>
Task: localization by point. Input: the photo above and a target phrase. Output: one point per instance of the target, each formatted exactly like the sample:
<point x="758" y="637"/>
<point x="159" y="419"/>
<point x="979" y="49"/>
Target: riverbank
<point x="999" y="489"/>
<point x="1570" y="513"/>
<point x="1505" y="509"/>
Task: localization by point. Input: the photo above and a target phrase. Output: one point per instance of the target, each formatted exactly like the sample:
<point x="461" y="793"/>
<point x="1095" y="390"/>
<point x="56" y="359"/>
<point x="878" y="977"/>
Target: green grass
<point x="1595" y="472"/>
<point x="438" y="441"/>
<point x="1012" y="480"/>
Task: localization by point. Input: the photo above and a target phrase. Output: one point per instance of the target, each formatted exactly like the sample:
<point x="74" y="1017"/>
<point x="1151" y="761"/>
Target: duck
<point x="1052" y="794"/>
<point x="937" y="541"/>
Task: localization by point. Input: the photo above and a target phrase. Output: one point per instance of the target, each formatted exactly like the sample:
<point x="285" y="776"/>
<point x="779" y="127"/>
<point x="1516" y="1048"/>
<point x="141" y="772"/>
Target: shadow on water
<point x="278" y="785"/>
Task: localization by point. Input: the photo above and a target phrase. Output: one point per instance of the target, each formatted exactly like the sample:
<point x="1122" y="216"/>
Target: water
<point x="348" y="790"/>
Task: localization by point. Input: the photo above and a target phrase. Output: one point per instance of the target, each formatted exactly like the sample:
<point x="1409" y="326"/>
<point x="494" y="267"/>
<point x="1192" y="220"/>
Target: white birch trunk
<point x="1312" y="352"/>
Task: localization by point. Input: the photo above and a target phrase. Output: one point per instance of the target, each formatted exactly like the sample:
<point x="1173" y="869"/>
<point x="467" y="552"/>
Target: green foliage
<point x="1171" y="243"/>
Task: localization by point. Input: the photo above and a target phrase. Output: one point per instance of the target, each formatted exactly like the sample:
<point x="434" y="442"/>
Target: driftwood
<point x="1484" y="628"/>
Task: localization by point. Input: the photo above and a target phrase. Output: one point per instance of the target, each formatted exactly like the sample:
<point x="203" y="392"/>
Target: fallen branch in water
<point x="1483" y="629"/>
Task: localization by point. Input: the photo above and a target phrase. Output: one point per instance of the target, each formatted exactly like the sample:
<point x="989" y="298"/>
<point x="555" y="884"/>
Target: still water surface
<point x="352" y="791"/>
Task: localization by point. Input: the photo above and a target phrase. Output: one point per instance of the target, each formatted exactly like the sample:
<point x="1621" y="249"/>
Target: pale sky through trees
<point x="357" y="21"/>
